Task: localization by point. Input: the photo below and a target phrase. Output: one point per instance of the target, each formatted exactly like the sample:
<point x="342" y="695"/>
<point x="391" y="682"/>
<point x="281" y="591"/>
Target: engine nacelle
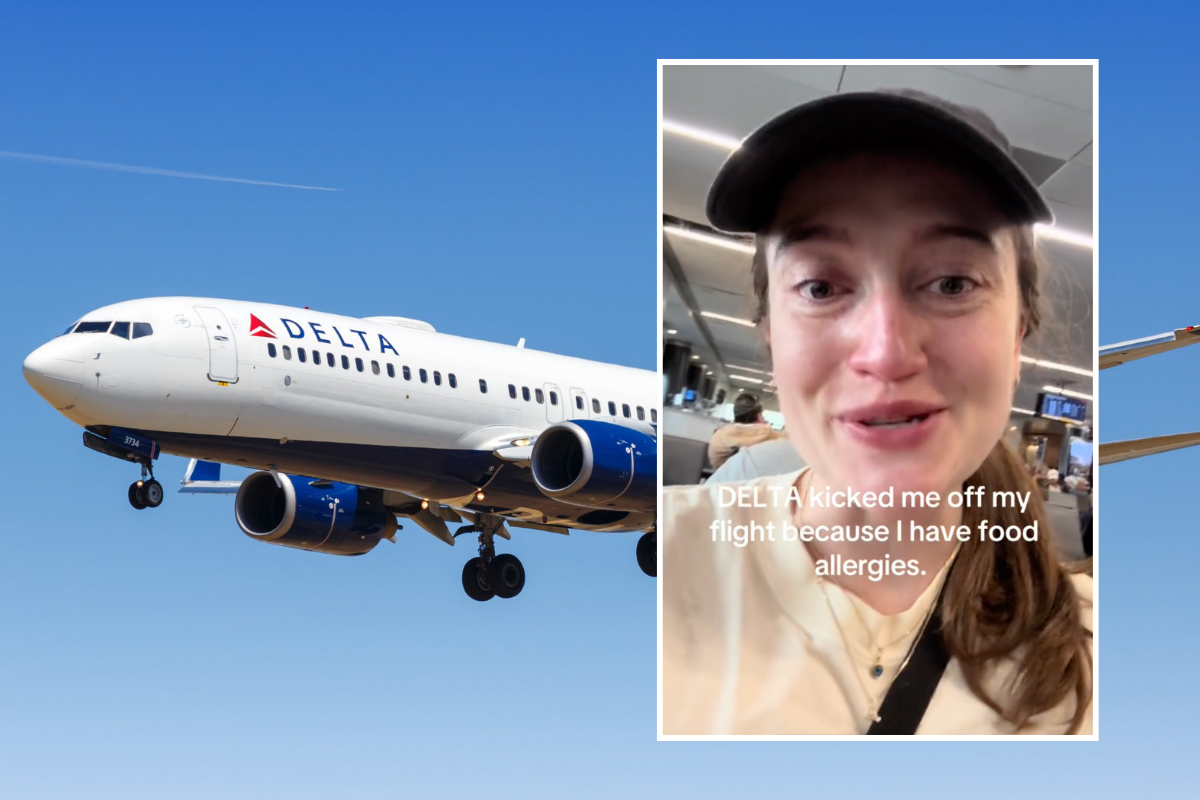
<point x="310" y="514"/>
<point x="597" y="465"/>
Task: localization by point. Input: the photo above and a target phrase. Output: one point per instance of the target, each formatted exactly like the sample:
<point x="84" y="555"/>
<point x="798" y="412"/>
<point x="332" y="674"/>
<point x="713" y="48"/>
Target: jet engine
<point x="597" y="465"/>
<point x="309" y="514"/>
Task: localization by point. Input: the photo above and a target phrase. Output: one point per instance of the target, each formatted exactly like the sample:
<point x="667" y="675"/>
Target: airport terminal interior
<point x="713" y="353"/>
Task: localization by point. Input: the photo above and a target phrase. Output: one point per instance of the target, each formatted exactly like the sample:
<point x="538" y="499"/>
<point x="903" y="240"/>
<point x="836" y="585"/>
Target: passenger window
<point x="437" y="378"/>
<point x="271" y="349"/>
<point x="407" y="374"/>
<point x="391" y="371"/>
<point x="300" y="354"/>
<point x="612" y="408"/>
<point x="525" y="393"/>
<point x="141" y="329"/>
<point x="579" y="402"/>
<point x="512" y="391"/>
<point x="358" y="364"/>
<point x="120" y="329"/>
<point x="374" y="367"/>
<point x="625" y="409"/>
<point x="641" y="413"/>
<point x="93" y="327"/>
<point x="554" y="398"/>
<point x="482" y="386"/>
<point x="654" y="415"/>
<point x="424" y="376"/>
<point x="595" y="406"/>
<point x="330" y="360"/>
<point x="345" y="362"/>
<point x="287" y="353"/>
<point x="453" y="381"/>
<point x="317" y="357"/>
<point x="537" y="393"/>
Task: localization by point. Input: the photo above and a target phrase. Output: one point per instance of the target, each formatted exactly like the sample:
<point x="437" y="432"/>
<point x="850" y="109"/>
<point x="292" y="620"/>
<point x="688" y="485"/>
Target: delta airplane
<point x="1124" y="352"/>
<point x="352" y="422"/>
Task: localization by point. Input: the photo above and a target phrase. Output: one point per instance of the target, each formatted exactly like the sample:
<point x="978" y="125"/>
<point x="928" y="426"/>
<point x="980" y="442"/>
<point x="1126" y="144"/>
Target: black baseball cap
<point x="747" y="190"/>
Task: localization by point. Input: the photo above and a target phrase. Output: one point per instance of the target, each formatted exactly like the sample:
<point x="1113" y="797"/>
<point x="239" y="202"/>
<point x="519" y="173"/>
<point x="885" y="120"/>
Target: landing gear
<point x="475" y="580"/>
<point x="490" y="575"/>
<point x="647" y="553"/>
<point x="135" y="496"/>
<point x="507" y="575"/>
<point x="146" y="493"/>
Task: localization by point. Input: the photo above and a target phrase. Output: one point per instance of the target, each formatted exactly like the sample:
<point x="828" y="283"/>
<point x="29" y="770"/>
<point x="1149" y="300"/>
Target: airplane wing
<point x="1112" y="452"/>
<point x="1116" y="354"/>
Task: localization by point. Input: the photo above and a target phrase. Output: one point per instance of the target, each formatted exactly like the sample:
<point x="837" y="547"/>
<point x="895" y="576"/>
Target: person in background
<point x="776" y="457"/>
<point x="748" y="428"/>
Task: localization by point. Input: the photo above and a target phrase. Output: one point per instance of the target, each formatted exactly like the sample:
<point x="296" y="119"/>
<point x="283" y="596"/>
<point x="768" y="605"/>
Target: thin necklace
<point x="877" y="667"/>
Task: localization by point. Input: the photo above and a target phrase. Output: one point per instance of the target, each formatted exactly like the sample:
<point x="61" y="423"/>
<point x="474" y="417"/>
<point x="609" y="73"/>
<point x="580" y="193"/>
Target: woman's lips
<point x="893" y="426"/>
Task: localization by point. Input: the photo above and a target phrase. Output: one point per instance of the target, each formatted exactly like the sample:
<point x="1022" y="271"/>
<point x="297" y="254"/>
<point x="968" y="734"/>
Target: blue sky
<point x="497" y="170"/>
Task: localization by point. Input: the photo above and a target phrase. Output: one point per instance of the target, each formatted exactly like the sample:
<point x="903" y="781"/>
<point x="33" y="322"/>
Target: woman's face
<point x="894" y="322"/>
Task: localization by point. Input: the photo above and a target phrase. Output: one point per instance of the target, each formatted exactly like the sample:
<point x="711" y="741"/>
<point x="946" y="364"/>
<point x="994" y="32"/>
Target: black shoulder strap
<point x="910" y="693"/>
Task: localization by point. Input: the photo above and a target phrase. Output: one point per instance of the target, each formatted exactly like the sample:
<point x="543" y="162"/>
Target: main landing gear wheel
<point x="135" y="496"/>
<point x="475" y="580"/>
<point x="647" y="554"/>
<point x="490" y="575"/>
<point x="506" y="575"/>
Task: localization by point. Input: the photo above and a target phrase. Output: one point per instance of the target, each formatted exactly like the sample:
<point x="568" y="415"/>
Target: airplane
<point x="352" y="422"/>
<point x="1124" y="352"/>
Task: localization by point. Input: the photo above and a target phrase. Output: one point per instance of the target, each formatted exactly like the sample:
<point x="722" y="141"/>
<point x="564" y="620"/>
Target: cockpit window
<point x="141" y="329"/>
<point x="120" y="329"/>
<point x="70" y="328"/>
<point x="93" y="327"/>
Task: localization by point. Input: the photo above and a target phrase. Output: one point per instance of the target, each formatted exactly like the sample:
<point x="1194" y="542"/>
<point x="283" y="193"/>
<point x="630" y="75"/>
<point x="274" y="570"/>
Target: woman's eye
<point x="952" y="285"/>
<point x="816" y="290"/>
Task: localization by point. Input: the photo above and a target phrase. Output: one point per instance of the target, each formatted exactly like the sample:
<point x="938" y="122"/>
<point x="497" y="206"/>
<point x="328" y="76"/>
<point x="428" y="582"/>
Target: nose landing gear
<point x="146" y="493"/>
<point x="490" y="575"/>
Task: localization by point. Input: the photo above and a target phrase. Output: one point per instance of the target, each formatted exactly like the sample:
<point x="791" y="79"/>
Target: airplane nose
<point x="55" y="371"/>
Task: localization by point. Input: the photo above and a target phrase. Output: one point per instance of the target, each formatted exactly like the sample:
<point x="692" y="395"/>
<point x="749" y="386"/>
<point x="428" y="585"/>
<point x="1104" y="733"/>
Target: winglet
<point x="204" y="477"/>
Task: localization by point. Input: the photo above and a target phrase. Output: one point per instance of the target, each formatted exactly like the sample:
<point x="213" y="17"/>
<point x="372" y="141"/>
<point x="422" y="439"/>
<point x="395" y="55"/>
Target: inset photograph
<point x="878" y="359"/>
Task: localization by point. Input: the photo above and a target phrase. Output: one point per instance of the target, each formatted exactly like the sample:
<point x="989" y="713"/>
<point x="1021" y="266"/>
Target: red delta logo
<point x="259" y="328"/>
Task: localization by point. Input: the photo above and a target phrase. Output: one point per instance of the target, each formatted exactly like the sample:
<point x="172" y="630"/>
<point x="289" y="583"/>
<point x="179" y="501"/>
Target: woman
<point x="896" y="276"/>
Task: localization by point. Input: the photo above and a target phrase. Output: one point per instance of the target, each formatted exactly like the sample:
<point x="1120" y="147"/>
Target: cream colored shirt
<point x="728" y="439"/>
<point x="751" y="643"/>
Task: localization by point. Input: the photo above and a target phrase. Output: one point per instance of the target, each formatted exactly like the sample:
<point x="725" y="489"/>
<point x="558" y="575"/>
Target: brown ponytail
<point x="1014" y="600"/>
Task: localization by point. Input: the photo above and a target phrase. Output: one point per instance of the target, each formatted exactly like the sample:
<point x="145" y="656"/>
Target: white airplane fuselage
<point x="379" y="402"/>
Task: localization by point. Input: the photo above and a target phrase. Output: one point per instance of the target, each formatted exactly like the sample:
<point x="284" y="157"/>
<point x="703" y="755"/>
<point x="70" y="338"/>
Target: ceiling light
<point x="710" y="238"/>
<point x="695" y="358"/>
<point x="701" y="135"/>
<point x="748" y="369"/>
<point x="1024" y="411"/>
<point x="671" y="331"/>
<point x="709" y="372"/>
<point x="724" y="318"/>
<point x="742" y="378"/>
<point x="1061" y="235"/>
<point x="1066" y="392"/>
<point x="1052" y="365"/>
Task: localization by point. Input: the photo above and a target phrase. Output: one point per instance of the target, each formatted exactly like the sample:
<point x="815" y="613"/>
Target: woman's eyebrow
<point x="805" y="230"/>
<point x="972" y="234"/>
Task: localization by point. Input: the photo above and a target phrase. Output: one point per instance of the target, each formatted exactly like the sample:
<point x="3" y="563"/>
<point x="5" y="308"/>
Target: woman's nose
<point x="889" y="337"/>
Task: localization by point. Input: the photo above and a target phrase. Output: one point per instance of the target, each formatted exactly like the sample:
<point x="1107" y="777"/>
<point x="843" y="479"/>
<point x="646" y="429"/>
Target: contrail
<point x="168" y="173"/>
